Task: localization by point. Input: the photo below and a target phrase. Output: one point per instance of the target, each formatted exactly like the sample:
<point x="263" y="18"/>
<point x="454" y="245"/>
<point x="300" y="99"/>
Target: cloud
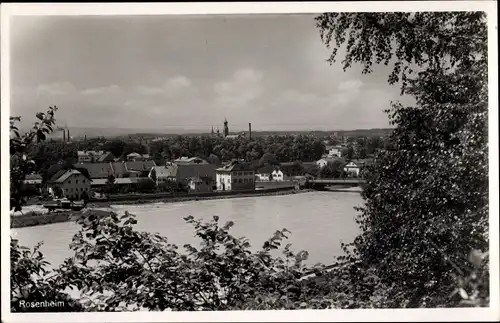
<point x="172" y="87"/>
<point x="105" y="90"/>
<point x="146" y="91"/>
<point x="55" y="89"/>
<point x="244" y="86"/>
<point x="177" y="83"/>
<point x="351" y="85"/>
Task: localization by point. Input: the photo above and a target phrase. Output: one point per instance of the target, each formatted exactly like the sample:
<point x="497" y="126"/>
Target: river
<point x="318" y="222"/>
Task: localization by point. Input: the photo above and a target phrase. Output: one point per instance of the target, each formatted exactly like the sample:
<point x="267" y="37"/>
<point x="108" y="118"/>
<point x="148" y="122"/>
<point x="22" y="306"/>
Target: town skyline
<point x="225" y="66"/>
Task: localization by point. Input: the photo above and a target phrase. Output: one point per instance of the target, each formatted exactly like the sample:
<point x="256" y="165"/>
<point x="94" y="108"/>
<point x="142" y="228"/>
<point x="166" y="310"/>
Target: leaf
<point x="476" y="258"/>
<point x="463" y="293"/>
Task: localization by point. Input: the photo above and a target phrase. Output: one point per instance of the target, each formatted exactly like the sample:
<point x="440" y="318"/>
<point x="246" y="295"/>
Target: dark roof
<point x="119" y="169"/>
<point x="185" y="171"/>
<point x="140" y="165"/>
<point x="97" y="170"/>
<point x="33" y="177"/>
<point x="57" y="175"/>
<point x="267" y="169"/>
<point x="237" y="166"/>
<point x="106" y="157"/>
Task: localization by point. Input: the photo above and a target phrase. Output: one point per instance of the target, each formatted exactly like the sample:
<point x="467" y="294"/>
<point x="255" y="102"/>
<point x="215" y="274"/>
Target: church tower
<point x="226" y="128"/>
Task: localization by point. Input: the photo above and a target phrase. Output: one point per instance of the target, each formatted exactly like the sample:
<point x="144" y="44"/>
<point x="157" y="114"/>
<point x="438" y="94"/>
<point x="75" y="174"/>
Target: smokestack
<point x="64" y="136"/>
<point x="69" y="138"/>
<point x="250" y="130"/>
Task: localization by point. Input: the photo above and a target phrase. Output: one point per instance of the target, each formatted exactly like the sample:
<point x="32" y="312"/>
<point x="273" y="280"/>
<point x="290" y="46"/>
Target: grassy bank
<point x="31" y="219"/>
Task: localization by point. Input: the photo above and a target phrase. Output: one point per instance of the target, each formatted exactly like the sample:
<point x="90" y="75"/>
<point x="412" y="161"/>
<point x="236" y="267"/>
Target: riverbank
<point x="31" y="219"/>
<point x="34" y="218"/>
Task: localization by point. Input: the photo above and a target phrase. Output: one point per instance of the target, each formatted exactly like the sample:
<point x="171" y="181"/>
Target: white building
<point x="264" y="173"/>
<point x="89" y="156"/>
<point x="352" y="168"/>
<point x="277" y="175"/>
<point x="236" y="176"/>
<point x="334" y="151"/>
<point x="71" y="182"/>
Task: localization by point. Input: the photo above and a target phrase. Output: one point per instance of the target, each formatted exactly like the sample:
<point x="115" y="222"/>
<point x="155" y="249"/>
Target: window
<point x="245" y="180"/>
<point x="83" y="181"/>
<point x="69" y="182"/>
<point x="239" y="180"/>
<point x="76" y="182"/>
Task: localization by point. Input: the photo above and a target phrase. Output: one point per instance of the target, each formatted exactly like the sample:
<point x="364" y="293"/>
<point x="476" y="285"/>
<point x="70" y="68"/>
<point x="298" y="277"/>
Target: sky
<point x="190" y="72"/>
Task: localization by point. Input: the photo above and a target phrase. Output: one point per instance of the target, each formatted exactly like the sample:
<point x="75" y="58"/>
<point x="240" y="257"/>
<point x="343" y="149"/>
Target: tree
<point x="110" y="184"/>
<point x="146" y="186"/>
<point x="426" y="203"/>
<point x="116" y="147"/>
<point x="334" y="169"/>
<point x="348" y="152"/>
<point x="58" y="192"/>
<point x="268" y="159"/>
<point x="85" y="197"/>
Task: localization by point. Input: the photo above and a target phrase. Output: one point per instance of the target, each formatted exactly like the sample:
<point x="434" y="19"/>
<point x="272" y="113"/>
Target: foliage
<point x="146" y="186"/>
<point x="20" y="164"/>
<point x="426" y="198"/>
<point x="85" y="197"/>
<point x="333" y="169"/>
<point x="58" y="192"/>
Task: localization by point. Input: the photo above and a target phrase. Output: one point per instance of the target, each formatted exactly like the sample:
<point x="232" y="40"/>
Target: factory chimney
<point x="64" y="136"/>
<point x="249" y="130"/>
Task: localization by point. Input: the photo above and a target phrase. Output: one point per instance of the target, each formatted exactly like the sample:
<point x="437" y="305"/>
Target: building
<point x="138" y="168"/>
<point x="237" y="176"/>
<point x="190" y="160"/>
<point x="226" y="128"/>
<point x="163" y="174"/>
<point x="97" y="170"/>
<point x="325" y="161"/>
<point x="107" y="157"/>
<point x="334" y="151"/>
<point x="71" y="182"/>
<point x="354" y="167"/>
<point x="89" y="156"/>
<point x="277" y="175"/>
<point x="33" y="182"/>
<point x="293" y="169"/>
<point x="264" y="173"/>
<point x="198" y="185"/>
<point x="137" y="157"/>
<point x="205" y="171"/>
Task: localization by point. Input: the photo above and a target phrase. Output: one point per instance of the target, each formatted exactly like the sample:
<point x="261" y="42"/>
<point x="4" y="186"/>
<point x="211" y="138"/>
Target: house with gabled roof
<point x="264" y="173"/>
<point x="97" y="170"/>
<point x="354" y="167"/>
<point x="71" y="182"/>
<point x="236" y="176"/>
<point x="163" y="174"/>
<point x="198" y="185"/>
